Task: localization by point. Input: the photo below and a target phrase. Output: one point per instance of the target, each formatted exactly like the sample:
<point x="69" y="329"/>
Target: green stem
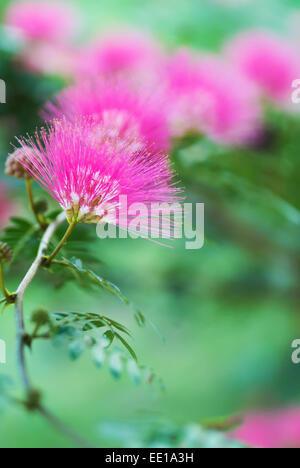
<point x="63" y="428"/>
<point x="32" y="205"/>
<point x="62" y="242"/>
<point x="35" y="331"/>
<point x="53" y="420"/>
<point x="2" y="283"/>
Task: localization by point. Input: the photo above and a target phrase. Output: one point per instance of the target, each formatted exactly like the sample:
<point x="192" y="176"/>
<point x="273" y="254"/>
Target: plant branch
<point x="63" y="428"/>
<point x="38" y="260"/>
<point x="32" y="205"/>
<point x="61" y="243"/>
<point x="53" y="420"/>
<point x="20" y="296"/>
<point x="2" y="283"/>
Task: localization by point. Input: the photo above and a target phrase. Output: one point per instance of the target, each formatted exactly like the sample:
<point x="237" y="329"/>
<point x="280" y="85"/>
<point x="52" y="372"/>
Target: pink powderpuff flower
<point x="277" y="429"/>
<point x="137" y="119"/>
<point x="126" y="55"/>
<point x="39" y="20"/>
<point x="89" y="180"/>
<point x="46" y="58"/>
<point x="207" y="96"/>
<point x="6" y="207"/>
<point x="269" y="61"/>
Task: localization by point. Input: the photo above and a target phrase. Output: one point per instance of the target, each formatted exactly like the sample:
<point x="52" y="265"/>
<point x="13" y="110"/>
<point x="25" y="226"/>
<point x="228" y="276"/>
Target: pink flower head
<point x="126" y="55"/>
<point x="207" y="96"/>
<point x="41" y="20"/>
<point x="269" y="61"/>
<point x="88" y="179"/>
<point x="277" y="429"/>
<point x="47" y="58"/>
<point x="137" y="119"/>
<point x="6" y="207"/>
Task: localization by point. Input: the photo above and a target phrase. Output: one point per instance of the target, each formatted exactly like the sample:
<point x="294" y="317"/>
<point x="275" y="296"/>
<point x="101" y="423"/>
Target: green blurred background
<point x="229" y="311"/>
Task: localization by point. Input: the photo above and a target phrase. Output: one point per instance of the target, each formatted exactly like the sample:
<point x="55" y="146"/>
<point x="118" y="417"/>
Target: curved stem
<point x="63" y="428"/>
<point x="20" y="296"/>
<point x="20" y="345"/>
<point x="37" y="262"/>
<point x="62" y="242"/>
<point x="2" y="283"/>
<point x="53" y="420"/>
<point x="32" y="205"/>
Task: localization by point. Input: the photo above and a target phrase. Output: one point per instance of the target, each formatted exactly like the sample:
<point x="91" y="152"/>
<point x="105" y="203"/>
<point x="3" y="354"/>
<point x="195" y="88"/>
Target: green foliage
<point x="250" y="193"/>
<point x="222" y="301"/>
<point x="23" y="237"/>
<point x="81" y="244"/>
<point x="79" y="324"/>
<point x="105" y="339"/>
<point x="165" y="434"/>
<point x="86" y="276"/>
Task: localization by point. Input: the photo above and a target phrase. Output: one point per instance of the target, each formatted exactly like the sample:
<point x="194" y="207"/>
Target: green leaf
<point x="77" y="267"/>
<point x="21" y="222"/>
<point x="194" y="435"/>
<point x="127" y="346"/>
<point x="162" y="433"/>
<point x="110" y="336"/>
<point x="140" y="319"/>
<point x="70" y="324"/>
<point x="76" y="349"/>
<point x="134" y="371"/>
<point x="99" y="355"/>
<point x="116" y="365"/>
<point x="22" y="236"/>
<point x="116" y="325"/>
<point x="83" y="331"/>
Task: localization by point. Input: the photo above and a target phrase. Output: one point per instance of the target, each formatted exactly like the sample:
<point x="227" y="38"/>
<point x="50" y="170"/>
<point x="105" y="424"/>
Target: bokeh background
<point x="230" y="311"/>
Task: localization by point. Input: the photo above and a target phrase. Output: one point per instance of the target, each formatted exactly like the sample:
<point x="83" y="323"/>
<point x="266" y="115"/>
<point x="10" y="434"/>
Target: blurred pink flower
<point x="277" y="429"/>
<point x="138" y="119"/>
<point x="207" y="96"/>
<point x="6" y="206"/>
<point x="269" y="61"/>
<point x="128" y="55"/>
<point x="40" y="20"/>
<point x="87" y="179"/>
<point x="49" y="59"/>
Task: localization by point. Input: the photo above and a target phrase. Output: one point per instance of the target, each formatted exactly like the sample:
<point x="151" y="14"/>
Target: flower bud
<point x="41" y="206"/>
<point x="17" y="162"/>
<point x="5" y="253"/>
<point x="40" y="317"/>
